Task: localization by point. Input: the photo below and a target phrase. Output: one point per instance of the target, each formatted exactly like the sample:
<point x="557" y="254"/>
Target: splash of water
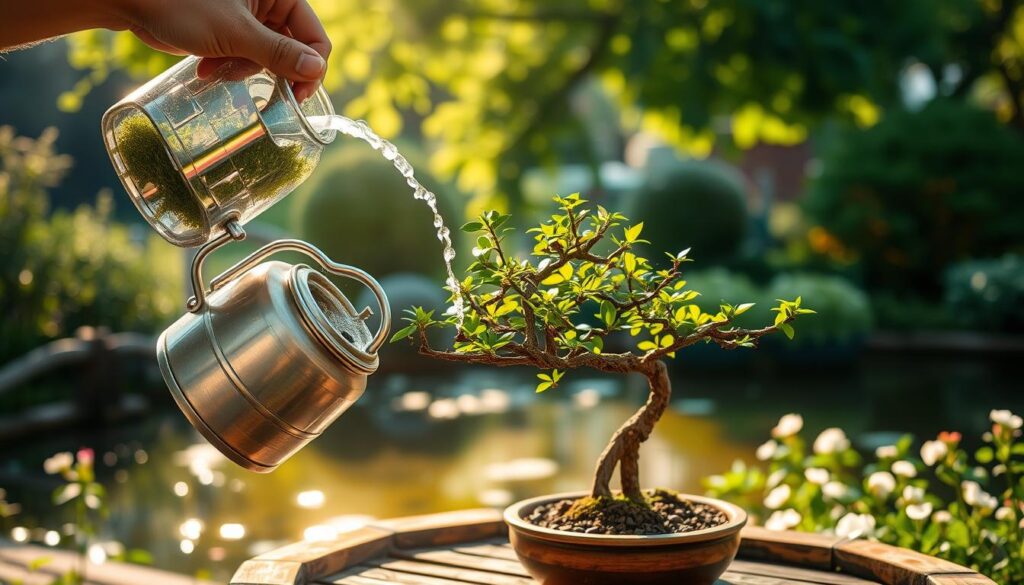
<point x="359" y="129"/>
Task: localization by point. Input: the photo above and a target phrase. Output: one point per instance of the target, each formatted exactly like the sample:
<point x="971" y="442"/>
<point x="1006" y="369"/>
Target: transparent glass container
<point x="196" y="153"/>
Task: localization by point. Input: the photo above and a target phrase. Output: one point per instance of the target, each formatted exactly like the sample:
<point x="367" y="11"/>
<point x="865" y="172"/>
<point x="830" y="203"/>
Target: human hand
<point x="284" y="36"/>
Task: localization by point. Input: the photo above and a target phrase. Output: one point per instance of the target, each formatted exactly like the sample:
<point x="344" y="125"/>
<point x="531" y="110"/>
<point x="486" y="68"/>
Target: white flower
<point x="836" y="512"/>
<point x="904" y="468"/>
<point x="933" y="451"/>
<point x="942" y="517"/>
<point x="855" y="525"/>
<point x="767" y="450"/>
<point x="788" y="426"/>
<point x="977" y="497"/>
<point x="831" y="441"/>
<point x="1006" y="418"/>
<point x="778" y="497"/>
<point x="775" y="478"/>
<point x="913" y="495"/>
<point x="887" y="452"/>
<point x="1004" y="513"/>
<point x="783" y="520"/>
<point x="881" y="484"/>
<point x="919" y="511"/>
<point x="59" y="462"/>
<point x="835" y="490"/>
<point x="817" y="475"/>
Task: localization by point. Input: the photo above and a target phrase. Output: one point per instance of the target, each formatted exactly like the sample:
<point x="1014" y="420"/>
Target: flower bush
<point x="937" y="499"/>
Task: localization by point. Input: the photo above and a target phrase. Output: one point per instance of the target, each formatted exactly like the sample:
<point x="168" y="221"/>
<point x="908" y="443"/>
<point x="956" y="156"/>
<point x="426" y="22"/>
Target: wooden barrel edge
<point x="862" y="558"/>
<point x="300" y="563"/>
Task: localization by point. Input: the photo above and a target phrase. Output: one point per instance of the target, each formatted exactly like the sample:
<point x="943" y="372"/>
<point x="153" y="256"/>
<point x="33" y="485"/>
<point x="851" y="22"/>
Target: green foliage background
<point x="66" y="269"/>
<point x="920" y="191"/>
<point x="489" y="82"/>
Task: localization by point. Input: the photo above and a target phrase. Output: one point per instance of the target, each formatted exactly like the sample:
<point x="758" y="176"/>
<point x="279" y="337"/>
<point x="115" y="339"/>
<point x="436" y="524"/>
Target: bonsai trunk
<point x="624" y="447"/>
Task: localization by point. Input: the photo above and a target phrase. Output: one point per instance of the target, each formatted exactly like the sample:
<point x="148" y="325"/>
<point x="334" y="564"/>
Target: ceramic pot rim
<point x="514" y="518"/>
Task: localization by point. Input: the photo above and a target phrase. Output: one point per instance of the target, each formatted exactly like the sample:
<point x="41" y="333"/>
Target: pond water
<point x="469" y="437"/>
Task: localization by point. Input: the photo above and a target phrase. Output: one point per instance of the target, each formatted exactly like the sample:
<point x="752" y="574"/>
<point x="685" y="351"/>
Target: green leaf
<point x="744" y="308"/>
<point x="404" y="332"/>
<point x="984" y="455"/>
<point x="139" y="557"/>
<point x="787" y="329"/>
<point x="629" y="261"/>
<point x="561" y="275"/>
<point x="542" y="387"/>
<point x="608" y="313"/>
<point x="39" y="562"/>
<point x="646" y="345"/>
<point x="473" y="226"/>
<point x="633" y="233"/>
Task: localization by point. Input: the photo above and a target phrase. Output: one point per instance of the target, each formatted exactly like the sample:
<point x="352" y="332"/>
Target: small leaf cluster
<point x="583" y="281"/>
<point x="936" y="499"/>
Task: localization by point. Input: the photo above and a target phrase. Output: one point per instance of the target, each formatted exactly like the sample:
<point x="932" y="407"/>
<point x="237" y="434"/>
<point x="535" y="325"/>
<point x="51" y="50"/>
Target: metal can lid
<point x="333" y="319"/>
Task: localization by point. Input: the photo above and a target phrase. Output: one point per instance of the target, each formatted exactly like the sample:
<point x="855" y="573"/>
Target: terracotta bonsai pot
<point x="556" y="557"/>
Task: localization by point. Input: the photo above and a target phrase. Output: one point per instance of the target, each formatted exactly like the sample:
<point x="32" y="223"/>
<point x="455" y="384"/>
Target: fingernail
<point x="310" y="64"/>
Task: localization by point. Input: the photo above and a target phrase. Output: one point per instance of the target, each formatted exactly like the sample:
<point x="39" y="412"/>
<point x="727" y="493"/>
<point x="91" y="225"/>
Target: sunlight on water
<point x="359" y="129"/>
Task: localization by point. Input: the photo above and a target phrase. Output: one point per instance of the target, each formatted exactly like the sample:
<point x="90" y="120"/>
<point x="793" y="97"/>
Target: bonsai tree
<point x="521" y="313"/>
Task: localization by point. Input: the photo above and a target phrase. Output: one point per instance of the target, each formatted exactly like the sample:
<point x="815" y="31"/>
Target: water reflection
<point x="471" y="438"/>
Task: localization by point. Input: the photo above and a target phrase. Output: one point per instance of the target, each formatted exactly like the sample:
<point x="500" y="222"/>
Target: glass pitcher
<point x="195" y="154"/>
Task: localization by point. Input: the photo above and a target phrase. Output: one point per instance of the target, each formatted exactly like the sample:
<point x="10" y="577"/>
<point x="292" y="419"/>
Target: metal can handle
<point x="198" y="300"/>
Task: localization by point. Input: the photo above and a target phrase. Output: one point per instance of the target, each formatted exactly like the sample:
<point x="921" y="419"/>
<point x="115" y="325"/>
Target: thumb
<point x="282" y="55"/>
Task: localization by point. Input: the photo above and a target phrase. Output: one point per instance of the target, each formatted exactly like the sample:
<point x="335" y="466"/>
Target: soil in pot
<point x="665" y="513"/>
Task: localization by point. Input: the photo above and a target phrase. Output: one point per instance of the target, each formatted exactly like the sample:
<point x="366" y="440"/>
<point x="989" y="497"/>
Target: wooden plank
<point x="453" y="573"/>
<point x="376" y="575"/>
<point x="730" y="578"/>
<point x="445" y="528"/>
<point x="798" y="548"/>
<point x="302" y="561"/>
<point x="965" y="579"/>
<point x="796" y="574"/>
<point x="457" y="559"/>
<point x="109" y="573"/>
<point x="494" y="550"/>
<point x="891" y="565"/>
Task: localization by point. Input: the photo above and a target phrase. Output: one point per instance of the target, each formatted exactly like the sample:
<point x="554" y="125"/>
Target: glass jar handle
<point x="235" y="232"/>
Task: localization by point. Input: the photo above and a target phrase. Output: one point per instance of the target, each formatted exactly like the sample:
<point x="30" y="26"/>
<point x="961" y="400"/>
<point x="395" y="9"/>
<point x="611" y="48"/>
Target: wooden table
<point x="471" y="546"/>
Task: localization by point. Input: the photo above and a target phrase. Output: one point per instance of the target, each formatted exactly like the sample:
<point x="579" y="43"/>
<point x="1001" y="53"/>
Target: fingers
<point x="306" y="26"/>
<point x="283" y="55"/>
<point x="230" y="68"/>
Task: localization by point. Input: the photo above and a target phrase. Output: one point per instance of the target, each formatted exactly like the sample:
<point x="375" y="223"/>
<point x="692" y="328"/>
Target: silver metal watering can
<point x="266" y="359"/>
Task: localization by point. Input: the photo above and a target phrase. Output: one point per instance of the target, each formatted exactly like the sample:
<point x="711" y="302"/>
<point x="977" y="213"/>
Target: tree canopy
<point x="491" y="83"/>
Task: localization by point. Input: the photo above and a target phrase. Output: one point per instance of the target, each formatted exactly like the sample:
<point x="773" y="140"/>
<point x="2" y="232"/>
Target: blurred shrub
<point x="920" y="191"/>
<point x="718" y="286"/>
<point x="843" y="310"/>
<point x="987" y="293"/>
<point x="71" y="268"/>
<point x="359" y="210"/>
<point x="714" y="195"/>
<point x="406" y="290"/>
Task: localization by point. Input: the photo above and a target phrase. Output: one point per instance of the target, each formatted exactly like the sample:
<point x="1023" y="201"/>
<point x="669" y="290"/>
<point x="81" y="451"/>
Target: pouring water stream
<point x="359" y="129"/>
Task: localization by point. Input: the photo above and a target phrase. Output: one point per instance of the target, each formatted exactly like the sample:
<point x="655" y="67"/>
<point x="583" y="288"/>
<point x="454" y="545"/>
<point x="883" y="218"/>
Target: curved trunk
<point x="624" y="447"/>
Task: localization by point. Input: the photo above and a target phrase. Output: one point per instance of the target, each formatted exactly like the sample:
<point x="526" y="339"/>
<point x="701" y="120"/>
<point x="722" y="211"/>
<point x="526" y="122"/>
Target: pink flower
<point x="86" y="456"/>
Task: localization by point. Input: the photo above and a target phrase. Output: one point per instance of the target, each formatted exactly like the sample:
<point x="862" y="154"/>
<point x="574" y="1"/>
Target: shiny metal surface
<point x="271" y="356"/>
